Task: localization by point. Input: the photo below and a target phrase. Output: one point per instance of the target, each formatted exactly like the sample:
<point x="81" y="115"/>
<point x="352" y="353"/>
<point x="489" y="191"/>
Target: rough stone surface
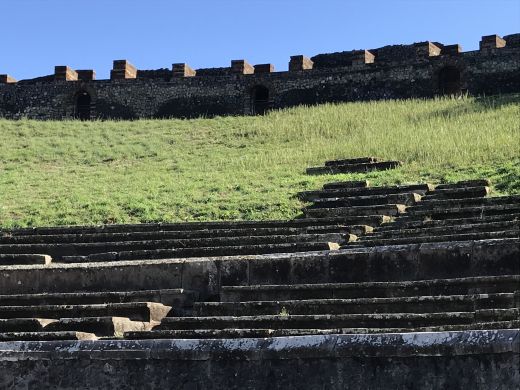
<point x="386" y="361"/>
<point x="398" y="71"/>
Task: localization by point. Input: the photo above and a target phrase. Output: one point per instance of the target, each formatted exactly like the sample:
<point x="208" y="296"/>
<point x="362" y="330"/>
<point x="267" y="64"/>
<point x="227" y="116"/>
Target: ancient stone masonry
<point x="422" y="69"/>
<point x="410" y="286"/>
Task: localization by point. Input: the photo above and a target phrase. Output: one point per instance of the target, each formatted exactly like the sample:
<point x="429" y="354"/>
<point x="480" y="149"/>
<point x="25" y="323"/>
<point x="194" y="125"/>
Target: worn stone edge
<point x="279" y="348"/>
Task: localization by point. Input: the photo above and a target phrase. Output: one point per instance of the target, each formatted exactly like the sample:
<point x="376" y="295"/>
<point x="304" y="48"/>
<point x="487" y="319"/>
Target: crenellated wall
<point x="424" y="69"/>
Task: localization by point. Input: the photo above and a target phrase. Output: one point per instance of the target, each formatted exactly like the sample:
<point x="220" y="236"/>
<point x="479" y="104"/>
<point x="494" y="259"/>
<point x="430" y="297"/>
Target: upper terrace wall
<point x="390" y="72"/>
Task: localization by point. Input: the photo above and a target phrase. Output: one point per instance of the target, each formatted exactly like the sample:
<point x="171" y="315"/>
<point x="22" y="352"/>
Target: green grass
<point x="56" y="173"/>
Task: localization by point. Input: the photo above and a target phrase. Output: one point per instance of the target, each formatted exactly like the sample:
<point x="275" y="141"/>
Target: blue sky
<point x="86" y="34"/>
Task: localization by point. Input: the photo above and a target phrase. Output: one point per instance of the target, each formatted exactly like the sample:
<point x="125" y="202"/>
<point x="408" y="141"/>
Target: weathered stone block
<point x="427" y="49"/>
<point x="86" y="75"/>
<point x="242" y="67"/>
<point x="122" y="69"/>
<point x="6" y="79"/>
<point x="452" y="49"/>
<point x="300" y="62"/>
<point x="492" y="42"/>
<point x="65" y="73"/>
<point x="362" y="57"/>
<point x="182" y="70"/>
<point x="264" y="68"/>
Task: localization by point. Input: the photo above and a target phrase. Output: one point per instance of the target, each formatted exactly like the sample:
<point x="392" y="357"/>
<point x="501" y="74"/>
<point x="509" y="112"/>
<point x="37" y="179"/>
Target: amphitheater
<point x="373" y="287"/>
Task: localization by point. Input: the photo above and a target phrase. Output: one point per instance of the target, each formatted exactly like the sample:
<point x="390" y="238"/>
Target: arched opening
<point x="259" y="100"/>
<point x="83" y="106"/>
<point x="449" y="81"/>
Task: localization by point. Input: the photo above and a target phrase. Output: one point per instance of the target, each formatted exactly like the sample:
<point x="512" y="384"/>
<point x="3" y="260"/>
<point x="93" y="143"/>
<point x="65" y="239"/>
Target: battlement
<point x="422" y="69"/>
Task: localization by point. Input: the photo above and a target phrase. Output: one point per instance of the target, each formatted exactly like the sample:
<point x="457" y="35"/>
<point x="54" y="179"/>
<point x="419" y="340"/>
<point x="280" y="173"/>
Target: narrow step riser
<point x="188" y="226"/>
<point x="180" y="235"/>
<point x="369" y="241"/>
<point x="318" y="324"/>
<point x="446" y="223"/>
<point x="404" y="199"/>
<point x="90" y="248"/>
<point x="509" y="285"/>
<point x="169" y="299"/>
<point x="263" y="333"/>
<point x="368" y="308"/>
<point x="475" y="228"/>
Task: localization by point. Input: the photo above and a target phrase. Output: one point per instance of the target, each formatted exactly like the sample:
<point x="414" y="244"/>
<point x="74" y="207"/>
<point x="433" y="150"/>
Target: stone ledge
<point x="476" y="342"/>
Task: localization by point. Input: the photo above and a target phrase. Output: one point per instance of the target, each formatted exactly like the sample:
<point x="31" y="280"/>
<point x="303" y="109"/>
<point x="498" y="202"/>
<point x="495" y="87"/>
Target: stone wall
<point x="475" y="359"/>
<point x="400" y="71"/>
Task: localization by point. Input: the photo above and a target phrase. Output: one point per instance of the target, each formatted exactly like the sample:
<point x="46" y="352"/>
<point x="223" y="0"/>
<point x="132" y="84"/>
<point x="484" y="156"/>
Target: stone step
<point x="184" y="226"/>
<point x="463" y="212"/>
<point x="360" y="160"/>
<point x="400" y="224"/>
<point x="206" y="252"/>
<point x="265" y="333"/>
<point x="440" y="230"/>
<point x="24" y="259"/>
<point x="455" y="286"/>
<point x="24" y="324"/>
<point x="464" y="184"/>
<point x="467" y="202"/>
<point x="100" y="326"/>
<point x="328" y="321"/>
<point x="136" y="311"/>
<point x="467" y="236"/>
<point x="340" y="192"/>
<point x="169" y="297"/>
<point x="168" y="235"/>
<point x="457" y="193"/>
<point x="46" y="336"/>
<point x="353" y="168"/>
<point x="390" y="210"/>
<point x="57" y="251"/>
<point x="347" y="184"/>
<point x="407" y="199"/>
<point x="416" y="304"/>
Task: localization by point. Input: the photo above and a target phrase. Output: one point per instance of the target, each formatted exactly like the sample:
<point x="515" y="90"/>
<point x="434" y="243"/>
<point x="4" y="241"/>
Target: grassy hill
<point x="55" y="173"/>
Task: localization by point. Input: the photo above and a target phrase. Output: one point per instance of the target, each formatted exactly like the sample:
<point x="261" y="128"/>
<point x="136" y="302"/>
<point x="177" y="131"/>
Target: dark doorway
<point x="449" y="81"/>
<point x="260" y="100"/>
<point x="83" y="106"/>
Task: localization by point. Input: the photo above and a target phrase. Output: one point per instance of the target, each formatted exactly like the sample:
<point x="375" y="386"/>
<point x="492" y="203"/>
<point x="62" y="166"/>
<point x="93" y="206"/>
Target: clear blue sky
<point x="85" y="34"/>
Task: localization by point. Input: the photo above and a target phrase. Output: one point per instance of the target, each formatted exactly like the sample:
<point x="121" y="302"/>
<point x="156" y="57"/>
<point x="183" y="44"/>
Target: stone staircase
<point x="411" y="258"/>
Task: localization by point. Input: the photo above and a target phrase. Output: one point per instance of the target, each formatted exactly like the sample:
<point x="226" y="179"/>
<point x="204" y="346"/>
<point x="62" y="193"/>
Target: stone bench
<point x="137" y="311"/>
<point x="407" y="199"/>
<point x="206" y="251"/>
<point x="334" y="192"/>
<point x="183" y="226"/>
<point x="438" y="237"/>
<point x="169" y="297"/>
<point x="457" y="193"/>
<point x="24" y="259"/>
<point x="183" y="234"/>
<point x="439" y="287"/>
<point x="415" y="304"/>
<point x="328" y="321"/>
<point x="466" y="202"/>
<point x="388" y="210"/>
<point x="443" y="229"/>
<point x="353" y="168"/>
<point x="408" y="223"/>
<point x="269" y="333"/>
<point x="58" y="251"/>
<point x="46" y="336"/>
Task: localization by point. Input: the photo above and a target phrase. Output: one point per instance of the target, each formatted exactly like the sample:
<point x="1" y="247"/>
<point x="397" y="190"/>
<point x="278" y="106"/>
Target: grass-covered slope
<point x="54" y="173"/>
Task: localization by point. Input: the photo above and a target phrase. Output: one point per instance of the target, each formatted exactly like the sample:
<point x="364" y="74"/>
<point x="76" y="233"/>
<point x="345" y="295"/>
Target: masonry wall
<point x="398" y="72"/>
<point x="442" y="360"/>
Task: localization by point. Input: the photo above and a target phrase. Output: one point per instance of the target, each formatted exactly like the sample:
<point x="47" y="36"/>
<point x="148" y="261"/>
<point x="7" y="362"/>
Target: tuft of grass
<point x="235" y="168"/>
